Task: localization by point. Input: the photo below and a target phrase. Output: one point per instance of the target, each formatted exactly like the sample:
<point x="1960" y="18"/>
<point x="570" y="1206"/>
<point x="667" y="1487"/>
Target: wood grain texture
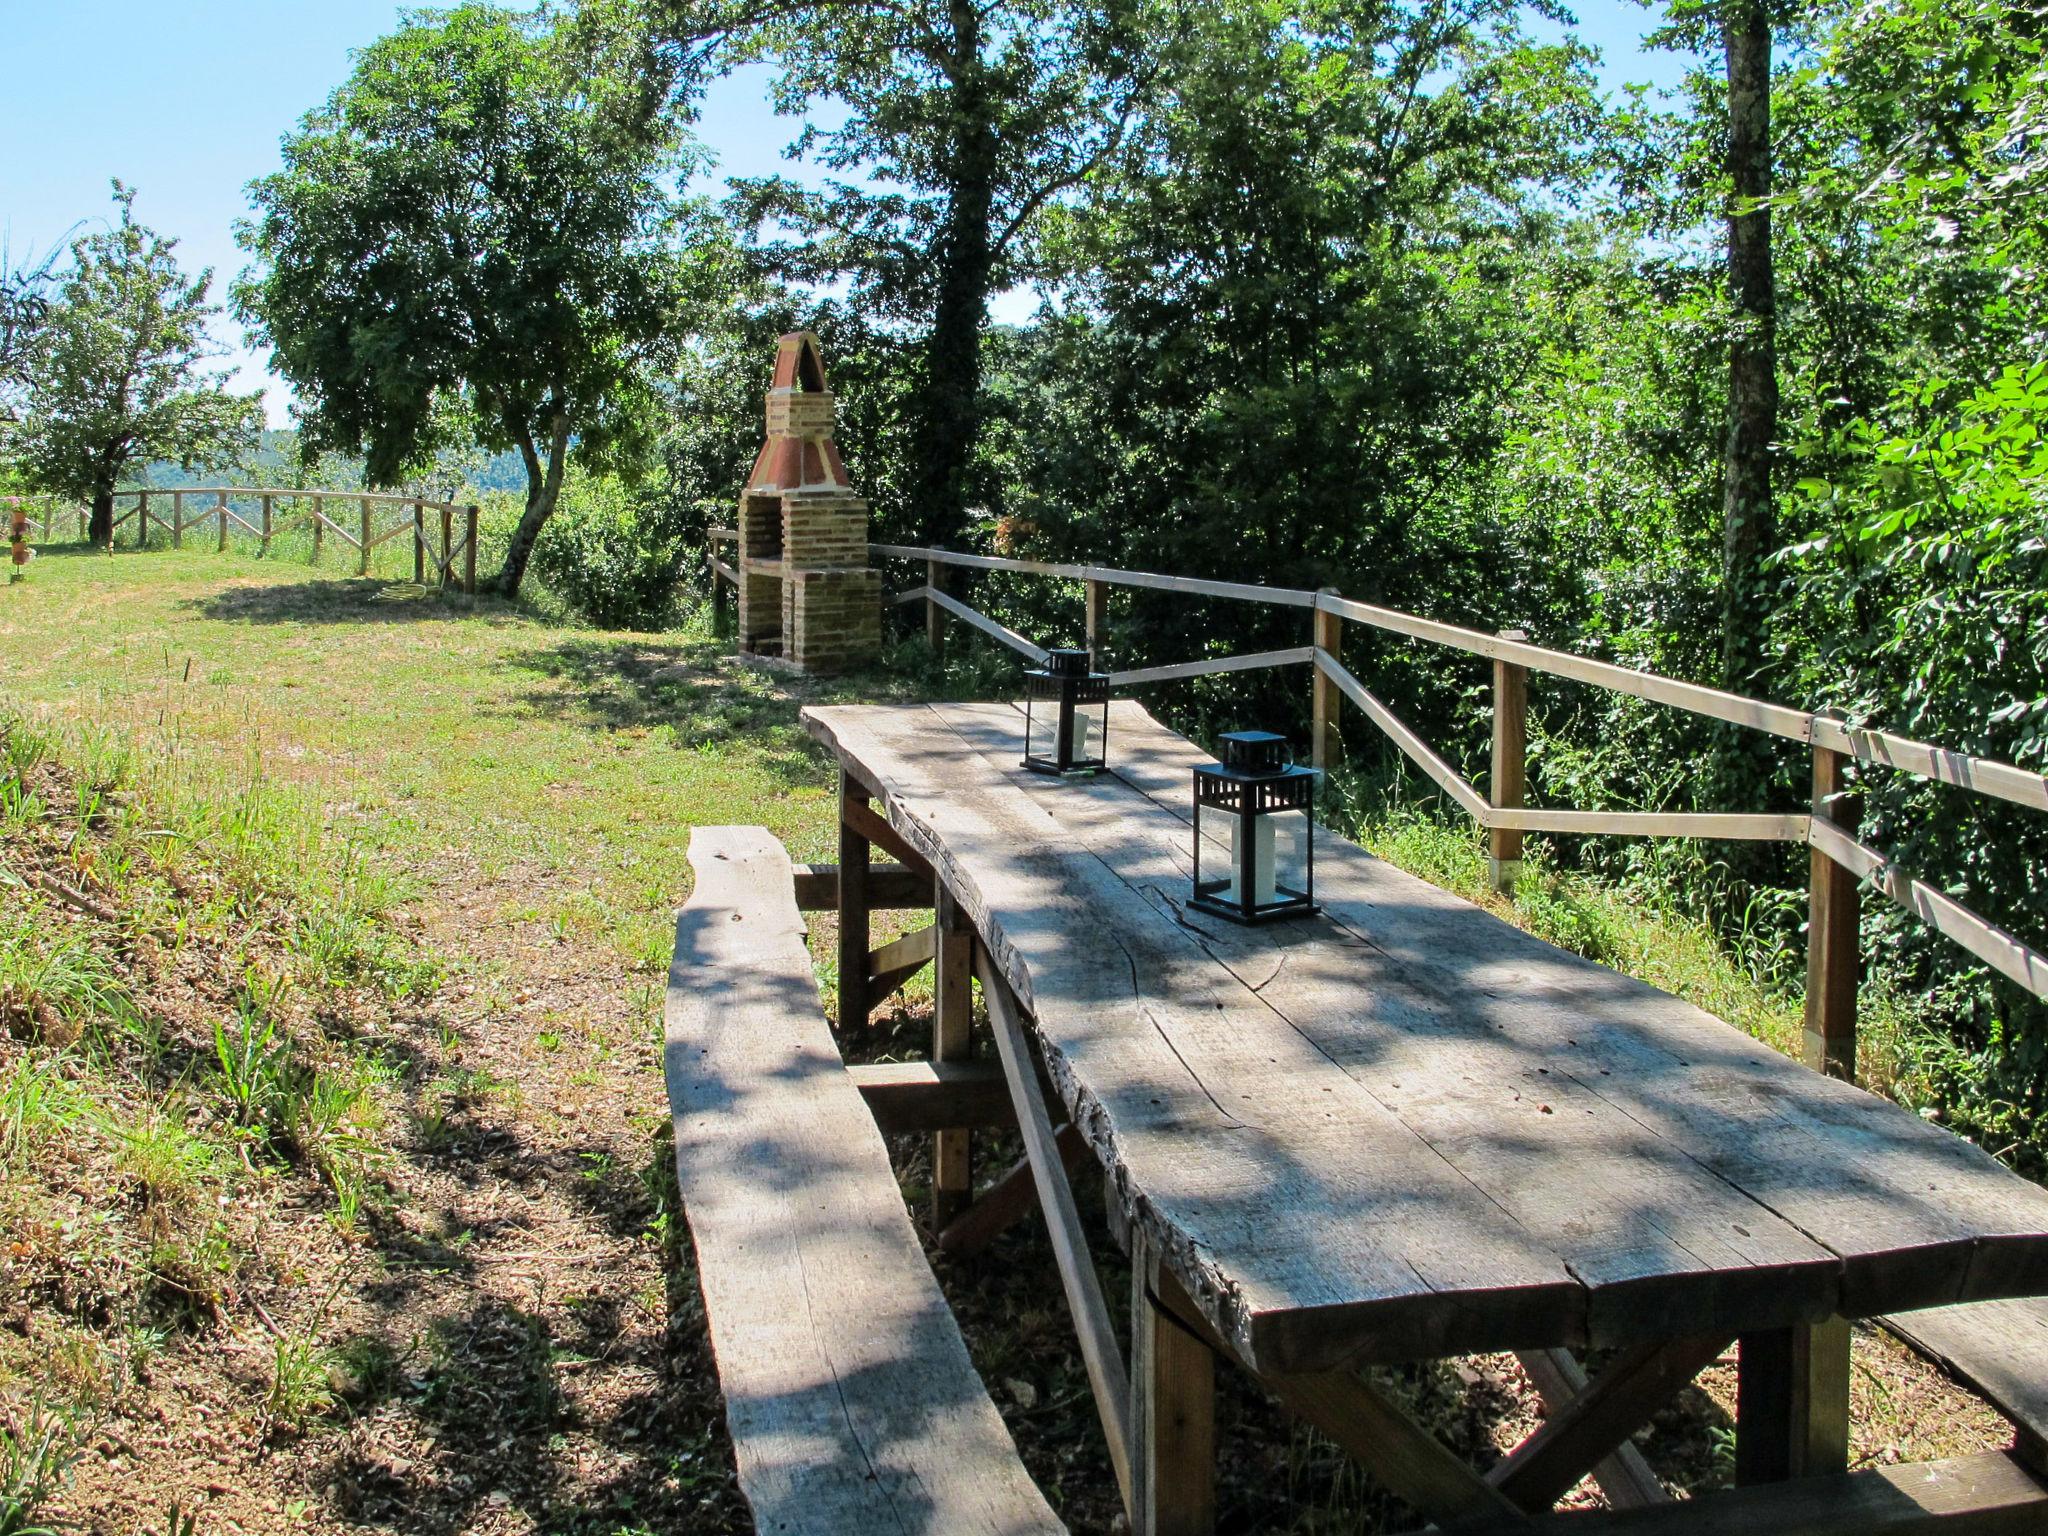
<point x="890" y="887"/>
<point x="852" y="1403"/>
<point x="1407" y="1129"/>
<point x="952" y="1045"/>
<point x="907" y="1096"/>
<point x="1010" y="1199"/>
<point x="1624" y="1476"/>
<point x="1598" y="1420"/>
<point x="1173" y="1416"/>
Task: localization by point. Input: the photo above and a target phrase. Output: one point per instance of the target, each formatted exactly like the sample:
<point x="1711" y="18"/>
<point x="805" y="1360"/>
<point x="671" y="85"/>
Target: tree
<point x="1300" y="300"/>
<point x="967" y="122"/>
<point x="113" y="372"/>
<point x="24" y="301"/>
<point x="482" y="212"/>
<point x="1748" y="522"/>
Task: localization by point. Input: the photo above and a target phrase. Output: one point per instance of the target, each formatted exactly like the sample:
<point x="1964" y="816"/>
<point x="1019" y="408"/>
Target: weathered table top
<point x="1405" y="1128"/>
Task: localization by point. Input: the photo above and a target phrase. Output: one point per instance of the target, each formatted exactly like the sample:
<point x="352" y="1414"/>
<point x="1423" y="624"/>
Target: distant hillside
<point x="276" y="462"/>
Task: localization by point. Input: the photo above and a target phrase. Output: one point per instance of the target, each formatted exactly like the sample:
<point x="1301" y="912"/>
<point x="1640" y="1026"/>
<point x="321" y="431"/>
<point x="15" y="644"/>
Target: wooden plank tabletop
<point x="1405" y="1128"/>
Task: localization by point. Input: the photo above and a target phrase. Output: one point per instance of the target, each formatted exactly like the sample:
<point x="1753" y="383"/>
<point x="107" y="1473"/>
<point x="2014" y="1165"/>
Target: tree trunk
<point x="948" y="420"/>
<point x="100" y="532"/>
<point x="1748" y="521"/>
<point x="543" y="490"/>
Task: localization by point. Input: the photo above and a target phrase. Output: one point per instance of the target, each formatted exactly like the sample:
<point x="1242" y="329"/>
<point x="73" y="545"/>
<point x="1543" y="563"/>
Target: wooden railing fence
<point x="451" y="556"/>
<point x="1840" y="864"/>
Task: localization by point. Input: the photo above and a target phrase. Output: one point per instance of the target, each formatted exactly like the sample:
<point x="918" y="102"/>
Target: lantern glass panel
<point x="1291" y="874"/>
<point x="1090" y="730"/>
<point x="1042" y="728"/>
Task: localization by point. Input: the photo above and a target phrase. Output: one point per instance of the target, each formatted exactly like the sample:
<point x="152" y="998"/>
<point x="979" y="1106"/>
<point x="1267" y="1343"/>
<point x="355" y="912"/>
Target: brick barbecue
<point x="807" y="594"/>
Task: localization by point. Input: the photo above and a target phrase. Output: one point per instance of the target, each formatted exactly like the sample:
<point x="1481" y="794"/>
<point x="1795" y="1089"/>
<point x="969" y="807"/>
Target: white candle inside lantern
<point x="1081" y="736"/>
<point x="1262" y="860"/>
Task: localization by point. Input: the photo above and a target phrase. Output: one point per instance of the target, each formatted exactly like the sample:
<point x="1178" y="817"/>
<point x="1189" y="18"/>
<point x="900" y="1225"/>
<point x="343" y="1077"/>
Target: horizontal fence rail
<point x="450" y="557"/>
<point x="1831" y="946"/>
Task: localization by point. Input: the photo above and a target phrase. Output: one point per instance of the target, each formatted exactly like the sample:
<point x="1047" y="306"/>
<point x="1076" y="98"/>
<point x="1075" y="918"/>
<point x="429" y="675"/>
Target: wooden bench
<point x="851" y="1400"/>
<point x="1999" y="1350"/>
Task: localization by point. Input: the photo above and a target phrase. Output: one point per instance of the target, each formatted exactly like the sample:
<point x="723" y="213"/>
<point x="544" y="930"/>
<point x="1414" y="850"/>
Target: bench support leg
<point x="1173" y="1413"/>
<point x="952" y="1040"/>
<point x="1792" y="1403"/>
<point x="854" y="851"/>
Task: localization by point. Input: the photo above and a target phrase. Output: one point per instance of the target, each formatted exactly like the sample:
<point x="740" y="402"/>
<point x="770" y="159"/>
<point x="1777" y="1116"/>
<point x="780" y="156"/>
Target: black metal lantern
<point x="1255" y="809"/>
<point x="1066" y="715"/>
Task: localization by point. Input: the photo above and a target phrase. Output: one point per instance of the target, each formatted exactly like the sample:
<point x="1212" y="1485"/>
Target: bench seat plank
<point x="1999" y="1349"/>
<point x="851" y="1399"/>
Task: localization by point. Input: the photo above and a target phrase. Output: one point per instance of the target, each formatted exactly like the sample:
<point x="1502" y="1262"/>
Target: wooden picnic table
<point x="1404" y="1129"/>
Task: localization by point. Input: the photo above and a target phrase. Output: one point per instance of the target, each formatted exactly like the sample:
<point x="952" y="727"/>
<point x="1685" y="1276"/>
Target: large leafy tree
<point x="113" y="371"/>
<point x="950" y="128"/>
<point x="484" y="212"/>
<point x="1300" y="301"/>
<point x="25" y="288"/>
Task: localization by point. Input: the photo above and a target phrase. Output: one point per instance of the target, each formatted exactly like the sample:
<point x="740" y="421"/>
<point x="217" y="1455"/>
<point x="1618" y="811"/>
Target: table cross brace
<point x="1107" y="1376"/>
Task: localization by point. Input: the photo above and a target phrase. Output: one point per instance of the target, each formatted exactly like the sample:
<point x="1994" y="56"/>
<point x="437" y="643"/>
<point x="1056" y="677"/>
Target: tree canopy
<point x="484" y="213"/>
<point x="112" y="372"/>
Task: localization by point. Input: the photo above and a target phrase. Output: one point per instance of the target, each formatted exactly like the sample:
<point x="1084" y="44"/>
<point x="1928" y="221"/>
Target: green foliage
<point x="614" y="552"/>
<point x="39" y="1445"/>
<point x="254" y="1061"/>
<point x="113" y="375"/>
<point x="471" y="240"/>
<point x="969" y="123"/>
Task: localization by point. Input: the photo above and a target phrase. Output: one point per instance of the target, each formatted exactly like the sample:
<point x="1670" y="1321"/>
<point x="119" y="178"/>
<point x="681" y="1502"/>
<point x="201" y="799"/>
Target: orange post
<point x="17" y="532"/>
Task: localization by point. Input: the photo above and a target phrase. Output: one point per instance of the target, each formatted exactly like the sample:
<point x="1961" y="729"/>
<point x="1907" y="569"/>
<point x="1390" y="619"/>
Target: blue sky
<point x="187" y="102"/>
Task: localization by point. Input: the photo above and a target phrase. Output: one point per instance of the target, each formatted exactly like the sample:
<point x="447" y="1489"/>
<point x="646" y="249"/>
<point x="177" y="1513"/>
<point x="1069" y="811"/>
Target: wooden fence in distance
<point x="1840" y="864"/>
<point x="451" y="557"/>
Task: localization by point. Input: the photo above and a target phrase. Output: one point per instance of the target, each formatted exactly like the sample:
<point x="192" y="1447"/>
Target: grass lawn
<point x="499" y="1329"/>
<point x="457" y="738"/>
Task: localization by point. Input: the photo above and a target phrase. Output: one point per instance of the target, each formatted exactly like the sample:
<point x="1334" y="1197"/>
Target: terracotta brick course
<point x="806" y="593"/>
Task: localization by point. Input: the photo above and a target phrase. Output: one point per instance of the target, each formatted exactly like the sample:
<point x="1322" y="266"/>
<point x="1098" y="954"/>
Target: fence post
<point x="141" y="523"/>
<point x="934" y="615"/>
<point x="1324" y="700"/>
<point x="223" y="504"/>
<point x="49" y="515"/>
<point x="1508" y="784"/>
<point x="363" y="549"/>
<point x="1098" y="623"/>
<point x="177" y="519"/>
<point x="419" y="544"/>
<point x="319" y="527"/>
<point x="266" y="526"/>
<point x="469" y="552"/>
<point x="1832" y="928"/>
<point x="447" y="542"/>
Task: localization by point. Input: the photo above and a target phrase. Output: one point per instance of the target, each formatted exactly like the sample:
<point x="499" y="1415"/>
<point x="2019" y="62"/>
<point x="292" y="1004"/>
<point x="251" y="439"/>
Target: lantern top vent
<point x="1066" y="662"/>
<point x="1254" y="752"/>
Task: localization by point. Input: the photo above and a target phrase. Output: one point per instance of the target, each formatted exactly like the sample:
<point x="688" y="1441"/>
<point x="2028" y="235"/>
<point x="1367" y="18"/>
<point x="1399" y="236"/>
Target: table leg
<point x="854" y="853"/>
<point x="1173" y="1412"/>
<point x="952" y="1023"/>
<point x="1792" y="1403"/>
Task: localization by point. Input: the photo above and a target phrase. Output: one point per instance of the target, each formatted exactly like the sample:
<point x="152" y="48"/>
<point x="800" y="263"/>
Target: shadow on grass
<point x="696" y="693"/>
<point x="355" y="600"/>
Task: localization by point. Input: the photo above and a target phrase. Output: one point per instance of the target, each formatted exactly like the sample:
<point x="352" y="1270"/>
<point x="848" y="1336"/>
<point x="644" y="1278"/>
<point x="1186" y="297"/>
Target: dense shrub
<point x="614" y="553"/>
